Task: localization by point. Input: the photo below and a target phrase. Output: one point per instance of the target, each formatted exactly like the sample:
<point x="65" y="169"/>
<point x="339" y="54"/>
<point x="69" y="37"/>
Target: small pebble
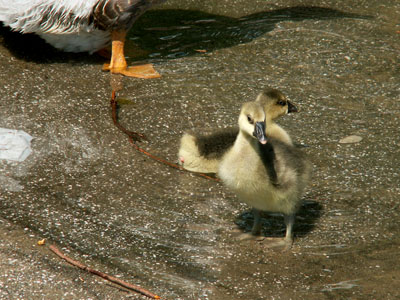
<point x="41" y="242"/>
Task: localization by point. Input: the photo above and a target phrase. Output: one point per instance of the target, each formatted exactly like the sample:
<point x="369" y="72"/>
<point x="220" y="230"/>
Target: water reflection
<point x="174" y="33"/>
<point x="177" y="33"/>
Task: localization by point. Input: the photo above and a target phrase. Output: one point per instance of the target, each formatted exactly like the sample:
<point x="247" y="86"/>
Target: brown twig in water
<point x="133" y="138"/>
<point x="103" y="275"/>
<point x="159" y="159"/>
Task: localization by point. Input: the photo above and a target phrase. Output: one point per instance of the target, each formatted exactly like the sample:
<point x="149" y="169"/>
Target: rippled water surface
<point x="86" y="189"/>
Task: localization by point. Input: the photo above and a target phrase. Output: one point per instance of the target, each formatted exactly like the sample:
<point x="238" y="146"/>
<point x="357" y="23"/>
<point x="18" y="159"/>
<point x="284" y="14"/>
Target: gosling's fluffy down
<point x="203" y="152"/>
<point x="266" y="173"/>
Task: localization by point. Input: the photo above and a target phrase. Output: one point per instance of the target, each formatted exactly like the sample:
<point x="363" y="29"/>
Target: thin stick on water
<point x="105" y="276"/>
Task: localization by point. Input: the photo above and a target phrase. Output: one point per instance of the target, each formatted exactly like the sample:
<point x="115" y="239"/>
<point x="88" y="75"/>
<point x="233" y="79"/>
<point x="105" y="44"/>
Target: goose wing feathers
<point x="49" y="16"/>
<point x="71" y="16"/>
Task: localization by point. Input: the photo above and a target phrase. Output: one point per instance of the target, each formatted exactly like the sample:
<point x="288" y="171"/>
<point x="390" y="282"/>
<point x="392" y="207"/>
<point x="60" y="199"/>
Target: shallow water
<point x="86" y="189"/>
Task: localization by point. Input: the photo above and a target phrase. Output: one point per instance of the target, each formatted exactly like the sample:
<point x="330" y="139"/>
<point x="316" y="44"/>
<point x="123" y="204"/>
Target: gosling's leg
<point x="289" y="222"/>
<point x="118" y="63"/>
<point x="255" y="230"/>
<point x="257" y="222"/>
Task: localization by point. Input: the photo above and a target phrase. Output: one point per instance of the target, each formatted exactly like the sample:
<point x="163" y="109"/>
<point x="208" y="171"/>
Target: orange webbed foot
<point x="145" y="71"/>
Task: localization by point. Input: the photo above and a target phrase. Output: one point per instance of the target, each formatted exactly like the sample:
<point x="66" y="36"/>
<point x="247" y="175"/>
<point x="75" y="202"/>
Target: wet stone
<point x="351" y="139"/>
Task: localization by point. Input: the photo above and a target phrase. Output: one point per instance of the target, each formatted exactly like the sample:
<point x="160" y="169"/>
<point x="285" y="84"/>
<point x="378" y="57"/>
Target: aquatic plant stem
<point x="167" y="162"/>
<point x="133" y="138"/>
<point x="136" y="136"/>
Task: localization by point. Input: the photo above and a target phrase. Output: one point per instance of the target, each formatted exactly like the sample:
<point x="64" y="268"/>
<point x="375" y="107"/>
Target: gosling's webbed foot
<point x="283" y="244"/>
<point x="239" y="235"/>
<point x="247" y="236"/>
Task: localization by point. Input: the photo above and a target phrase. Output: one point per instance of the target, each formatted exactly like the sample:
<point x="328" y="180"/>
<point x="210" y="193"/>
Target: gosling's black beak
<point x="259" y="132"/>
<point x="292" y="107"/>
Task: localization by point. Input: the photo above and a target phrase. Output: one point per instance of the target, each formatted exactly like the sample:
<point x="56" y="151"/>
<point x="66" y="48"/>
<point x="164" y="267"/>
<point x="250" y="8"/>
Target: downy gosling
<point x="265" y="172"/>
<point x="202" y="153"/>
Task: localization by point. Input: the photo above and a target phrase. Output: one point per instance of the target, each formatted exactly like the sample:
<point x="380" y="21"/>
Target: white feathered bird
<point x="81" y="26"/>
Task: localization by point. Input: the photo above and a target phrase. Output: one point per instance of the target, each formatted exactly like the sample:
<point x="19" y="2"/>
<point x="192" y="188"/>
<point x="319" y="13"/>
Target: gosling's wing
<point x="215" y="145"/>
<point x="285" y="164"/>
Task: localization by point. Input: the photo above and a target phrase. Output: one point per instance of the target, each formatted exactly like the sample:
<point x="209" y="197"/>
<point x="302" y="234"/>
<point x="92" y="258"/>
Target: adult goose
<point x="265" y="173"/>
<point x="81" y="26"/>
<point x="202" y="152"/>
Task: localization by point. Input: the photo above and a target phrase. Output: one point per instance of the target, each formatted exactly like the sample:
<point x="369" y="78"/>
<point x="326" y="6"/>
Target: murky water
<point x="85" y="188"/>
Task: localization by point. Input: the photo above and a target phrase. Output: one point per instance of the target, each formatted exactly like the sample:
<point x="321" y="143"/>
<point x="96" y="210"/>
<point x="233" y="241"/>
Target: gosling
<point x="265" y="172"/>
<point x="202" y="153"/>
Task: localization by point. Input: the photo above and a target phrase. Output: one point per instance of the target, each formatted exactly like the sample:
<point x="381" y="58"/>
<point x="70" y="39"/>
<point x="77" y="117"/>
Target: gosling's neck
<point x="244" y="141"/>
<point x="269" y="122"/>
<point x="275" y="131"/>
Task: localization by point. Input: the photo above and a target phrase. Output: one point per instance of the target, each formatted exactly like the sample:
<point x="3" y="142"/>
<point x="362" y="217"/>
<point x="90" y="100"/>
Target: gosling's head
<point x="275" y="103"/>
<point x="252" y="121"/>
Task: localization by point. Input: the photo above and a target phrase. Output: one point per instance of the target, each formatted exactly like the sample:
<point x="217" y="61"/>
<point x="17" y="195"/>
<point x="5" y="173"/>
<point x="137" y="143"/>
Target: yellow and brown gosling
<point x="265" y="172"/>
<point x="203" y="152"/>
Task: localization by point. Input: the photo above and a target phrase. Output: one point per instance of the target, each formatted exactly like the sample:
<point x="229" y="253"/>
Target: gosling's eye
<point x="281" y="102"/>
<point x="250" y="119"/>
